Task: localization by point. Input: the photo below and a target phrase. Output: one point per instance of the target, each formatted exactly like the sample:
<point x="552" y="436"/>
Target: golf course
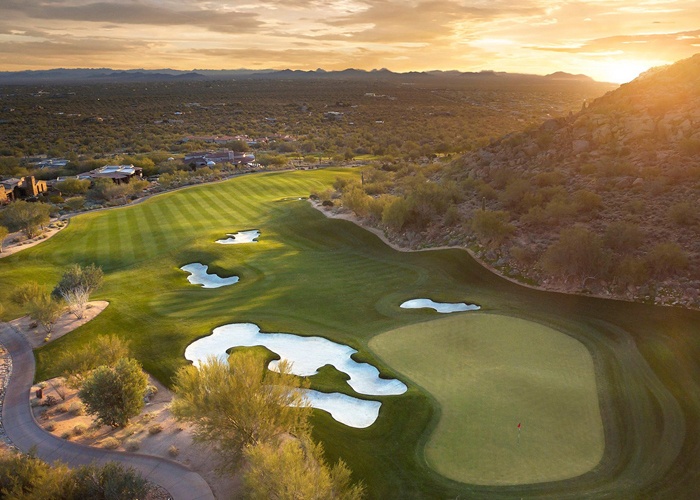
<point x="534" y="395"/>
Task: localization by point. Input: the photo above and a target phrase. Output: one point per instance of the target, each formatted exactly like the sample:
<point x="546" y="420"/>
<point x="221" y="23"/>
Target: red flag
<point x="518" y="425"/>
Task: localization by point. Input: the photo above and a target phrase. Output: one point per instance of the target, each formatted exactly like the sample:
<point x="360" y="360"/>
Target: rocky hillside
<point x="606" y="200"/>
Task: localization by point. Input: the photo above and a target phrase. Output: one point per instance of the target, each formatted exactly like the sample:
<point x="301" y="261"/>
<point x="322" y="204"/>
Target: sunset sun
<point x="624" y="70"/>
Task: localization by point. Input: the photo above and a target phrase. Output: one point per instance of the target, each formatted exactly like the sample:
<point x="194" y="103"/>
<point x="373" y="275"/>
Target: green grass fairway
<point x="488" y="373"/>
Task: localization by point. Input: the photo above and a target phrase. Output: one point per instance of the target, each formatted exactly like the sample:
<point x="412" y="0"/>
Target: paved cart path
<point x="25" y="433"/>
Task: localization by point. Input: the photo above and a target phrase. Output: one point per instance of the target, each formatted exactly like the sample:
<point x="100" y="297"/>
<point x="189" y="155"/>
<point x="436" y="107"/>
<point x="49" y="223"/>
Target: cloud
<point x="65" y="51"/>
<point x="139" y="13"/>
<point x="667" y="45"/>
<point x="426" y="21"/>
<point x="537" y="36"/>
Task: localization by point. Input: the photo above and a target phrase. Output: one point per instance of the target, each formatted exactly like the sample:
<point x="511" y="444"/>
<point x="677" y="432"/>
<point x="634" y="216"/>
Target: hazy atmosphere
<point x="607" y="40"/>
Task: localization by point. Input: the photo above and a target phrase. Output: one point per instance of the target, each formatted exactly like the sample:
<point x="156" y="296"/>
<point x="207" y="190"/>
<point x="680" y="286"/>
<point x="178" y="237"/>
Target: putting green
<point x="490" y="372"/>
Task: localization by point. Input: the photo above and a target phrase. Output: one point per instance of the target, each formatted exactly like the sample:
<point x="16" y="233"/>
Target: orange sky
<point x="610" y="40"/>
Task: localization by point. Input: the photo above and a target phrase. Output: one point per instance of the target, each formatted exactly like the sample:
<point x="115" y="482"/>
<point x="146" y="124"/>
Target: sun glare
<point x="624" y="71"/>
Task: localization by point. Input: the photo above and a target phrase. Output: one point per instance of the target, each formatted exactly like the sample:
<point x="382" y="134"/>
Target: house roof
<point x="11" y="183"/>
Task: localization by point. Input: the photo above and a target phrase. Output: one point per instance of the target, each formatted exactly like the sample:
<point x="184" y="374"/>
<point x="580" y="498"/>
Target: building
<point x="120" y="174"/>
<point x="333" y="115"/>
<point x="51" y="163"/>
<point x="22" y="188"/>
<point x="210" y="158"/>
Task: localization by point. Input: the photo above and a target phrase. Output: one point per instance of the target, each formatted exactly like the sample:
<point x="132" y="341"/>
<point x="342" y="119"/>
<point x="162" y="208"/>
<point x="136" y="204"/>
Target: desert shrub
<point x="76" y="408"/>
<point x="666" y="260"/>
<point x="631" y="271"/>
<point x="66" y="435"/>
<point x="173" y="450"/>
<point x="683" y="213"/>
<point x="515" y="196"/>
<point x="553" y="178"/>
<point x="396" y="214"/>
<point x="636" y="206"/>
<point x="75" y="203"/>
<point x="376" y="206"/>
<point x="110" y="443"/>
<point x="559" y="209"/>
<point x="26" y="293"/>
<point x="536" y="216"/>
<point x="23" y="476"/>
<point x="486" y="191"/>
<point x="132" y="445"/>
<point x="155" y="429"/>
<point x="50" y="427"/>
<point x="587" y="201"/>
<point x="50" y="401"/>
<point x="523" y="256"/>
<point x="46" y="310"/>
<point x="578" y="254"/>
<point x="452" y="216"/>
<point x="356" y="200"/>
<point x="616" y="169"/>
<point x="73" y="186"/>
<point x="109" y="481"/>
<point x="492" y="227"/>
<point x="623" y="237"/>
<point x="79" y="430"/>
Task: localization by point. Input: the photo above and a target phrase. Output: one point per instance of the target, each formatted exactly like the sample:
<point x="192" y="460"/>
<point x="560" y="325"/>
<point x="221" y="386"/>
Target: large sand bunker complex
<point x="307" y="355"/>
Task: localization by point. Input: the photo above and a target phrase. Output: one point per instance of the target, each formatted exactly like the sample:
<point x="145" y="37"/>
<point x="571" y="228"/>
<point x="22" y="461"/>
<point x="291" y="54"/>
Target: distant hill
<point x="85" y="75"/>
<point x="560" y="75"/>
<point x="625" y="171"/>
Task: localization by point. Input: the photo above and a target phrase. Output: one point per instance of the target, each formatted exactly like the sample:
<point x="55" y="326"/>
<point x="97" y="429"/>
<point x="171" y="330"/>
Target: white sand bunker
<point x="441" y="307"/>
<point x="347" y="410"/>
<point x="307" y="355"/>
<point x="199" y="276"/>
<point x="241" y="237"/>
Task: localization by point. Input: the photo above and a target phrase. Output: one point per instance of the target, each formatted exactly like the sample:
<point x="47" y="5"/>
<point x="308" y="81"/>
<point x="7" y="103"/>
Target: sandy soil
<point x="20" y="241"/>
<point x="37" y="336"/>
<point x="153" y="432"/>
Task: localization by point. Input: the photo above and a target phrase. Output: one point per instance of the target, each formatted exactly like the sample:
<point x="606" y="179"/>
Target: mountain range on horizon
<point x="108" y="75"/>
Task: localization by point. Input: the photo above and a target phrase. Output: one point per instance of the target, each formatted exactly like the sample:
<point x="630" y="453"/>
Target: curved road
<point x="25" y="433"/>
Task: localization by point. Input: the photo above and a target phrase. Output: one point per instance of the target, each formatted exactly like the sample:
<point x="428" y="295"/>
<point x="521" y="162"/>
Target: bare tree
<point x="77" y="299"/>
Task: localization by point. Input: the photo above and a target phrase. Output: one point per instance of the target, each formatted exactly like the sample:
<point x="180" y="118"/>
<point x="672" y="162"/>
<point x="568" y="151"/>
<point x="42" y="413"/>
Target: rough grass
<point x="313" y="276"/>
<point x="490" y="372"/>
